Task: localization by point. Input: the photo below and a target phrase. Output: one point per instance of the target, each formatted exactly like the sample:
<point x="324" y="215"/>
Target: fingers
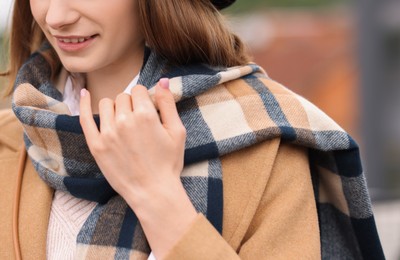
<point x="89" y="127"/>
<point x="106" y="112"/>
<point x="141" y="102"/>
<point x="123" y="106"/>
<point x="166" y="104"/>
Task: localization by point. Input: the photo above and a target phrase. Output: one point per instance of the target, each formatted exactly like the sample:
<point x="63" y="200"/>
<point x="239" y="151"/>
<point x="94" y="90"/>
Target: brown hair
<point x="197" y="27"/>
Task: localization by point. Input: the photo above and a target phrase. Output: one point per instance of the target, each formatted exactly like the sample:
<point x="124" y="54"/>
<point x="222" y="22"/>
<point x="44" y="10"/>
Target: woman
<point x="226" y="173"/>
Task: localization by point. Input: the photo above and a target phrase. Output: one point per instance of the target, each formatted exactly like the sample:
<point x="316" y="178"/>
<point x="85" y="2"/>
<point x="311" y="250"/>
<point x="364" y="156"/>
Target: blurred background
<point x="342" y="55"/>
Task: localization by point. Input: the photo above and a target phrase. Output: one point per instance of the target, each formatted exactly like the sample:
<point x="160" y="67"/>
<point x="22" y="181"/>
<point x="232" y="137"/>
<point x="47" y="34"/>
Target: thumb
<point x="166" y="105"/>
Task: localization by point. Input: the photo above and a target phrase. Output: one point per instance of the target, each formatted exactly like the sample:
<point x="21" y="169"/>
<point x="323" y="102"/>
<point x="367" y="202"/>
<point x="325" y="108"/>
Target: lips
<point x="74" y="43"/>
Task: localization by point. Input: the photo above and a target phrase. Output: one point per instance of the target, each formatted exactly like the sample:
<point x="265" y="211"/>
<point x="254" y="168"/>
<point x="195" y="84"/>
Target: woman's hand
<point x="133" y="148"/>
<point x="142" y="158"/>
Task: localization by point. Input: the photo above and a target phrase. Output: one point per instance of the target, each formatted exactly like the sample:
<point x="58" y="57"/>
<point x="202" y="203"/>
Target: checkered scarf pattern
<point x="223" y="110"/>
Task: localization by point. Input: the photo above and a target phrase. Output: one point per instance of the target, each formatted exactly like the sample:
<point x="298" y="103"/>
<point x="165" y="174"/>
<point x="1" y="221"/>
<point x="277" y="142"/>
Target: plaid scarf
<point x="223" y="110"/>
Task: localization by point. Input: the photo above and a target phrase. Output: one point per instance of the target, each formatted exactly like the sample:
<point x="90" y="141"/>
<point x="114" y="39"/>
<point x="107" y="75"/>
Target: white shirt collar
<point x="73" y="86"/>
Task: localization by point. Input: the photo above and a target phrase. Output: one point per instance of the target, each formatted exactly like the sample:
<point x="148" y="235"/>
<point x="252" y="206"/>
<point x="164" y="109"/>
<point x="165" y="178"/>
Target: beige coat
<point x="269" y="206"/>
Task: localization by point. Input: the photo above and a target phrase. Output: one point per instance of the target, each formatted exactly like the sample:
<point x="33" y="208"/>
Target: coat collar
<point x="35" y="206"/>
<point x="35" y="196"/>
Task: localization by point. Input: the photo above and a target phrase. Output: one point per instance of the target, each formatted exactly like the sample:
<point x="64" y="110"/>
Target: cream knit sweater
<point x="67" y="216"/>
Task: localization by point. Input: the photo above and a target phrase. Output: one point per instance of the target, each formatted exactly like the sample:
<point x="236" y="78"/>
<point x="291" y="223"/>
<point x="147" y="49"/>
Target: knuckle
<point x="164" y="98"/>
<point x="144" y="115"/>
<point x="109" y="135"/>
<point x="158" y="94"/>
<point x="121" y="119"/>
<point x="167" y="102"/>
<point x="97" y="148"/>
<point x="181" y="132"/>
<point x="122" y="122"/>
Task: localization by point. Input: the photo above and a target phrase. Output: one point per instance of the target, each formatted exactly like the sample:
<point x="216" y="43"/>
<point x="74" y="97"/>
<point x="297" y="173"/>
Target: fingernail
<point x="83" y="92"/>
<point x="164" y="83"/>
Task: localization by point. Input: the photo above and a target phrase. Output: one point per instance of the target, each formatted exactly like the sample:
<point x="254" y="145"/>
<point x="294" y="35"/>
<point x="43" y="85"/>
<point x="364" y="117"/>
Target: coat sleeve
<point x="284" y="225"/>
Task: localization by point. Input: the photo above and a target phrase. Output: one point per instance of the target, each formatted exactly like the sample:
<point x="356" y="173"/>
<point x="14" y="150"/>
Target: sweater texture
<point x="68" y="214"/>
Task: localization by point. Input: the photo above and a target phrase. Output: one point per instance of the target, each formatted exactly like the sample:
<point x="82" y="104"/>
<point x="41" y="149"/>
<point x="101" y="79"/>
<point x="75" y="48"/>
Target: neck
<point x="113" y="79"/>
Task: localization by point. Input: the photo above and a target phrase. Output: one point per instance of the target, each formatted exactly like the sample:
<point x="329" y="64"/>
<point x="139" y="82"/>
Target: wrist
<point x="155" y="198"/>
<point x="165" y="212"/>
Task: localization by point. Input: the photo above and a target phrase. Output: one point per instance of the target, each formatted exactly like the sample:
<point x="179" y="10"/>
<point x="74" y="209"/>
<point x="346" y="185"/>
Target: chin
<point x="76" y="67"/>
<point x="77" y="64"/>
<point x="75" y="70"/>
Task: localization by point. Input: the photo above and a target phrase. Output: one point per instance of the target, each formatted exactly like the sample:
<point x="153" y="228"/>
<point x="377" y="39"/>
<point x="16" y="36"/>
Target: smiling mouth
<point x="74" y="43"/>
<point x="74" y="39"/>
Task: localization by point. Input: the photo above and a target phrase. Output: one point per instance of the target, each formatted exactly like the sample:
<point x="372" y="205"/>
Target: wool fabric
<point x="223" y="110"/>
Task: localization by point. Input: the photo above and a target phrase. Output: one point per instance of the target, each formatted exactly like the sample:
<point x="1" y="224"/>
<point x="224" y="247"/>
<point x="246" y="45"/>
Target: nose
<point x="60" y="14"/>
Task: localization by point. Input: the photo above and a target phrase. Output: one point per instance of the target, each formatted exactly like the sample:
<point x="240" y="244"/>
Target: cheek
<point x="122" y="16"/>
<point x="39" y="10"/>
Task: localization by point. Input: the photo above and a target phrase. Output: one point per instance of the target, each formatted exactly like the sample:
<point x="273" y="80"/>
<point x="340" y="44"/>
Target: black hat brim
<point x="221" y="4"/>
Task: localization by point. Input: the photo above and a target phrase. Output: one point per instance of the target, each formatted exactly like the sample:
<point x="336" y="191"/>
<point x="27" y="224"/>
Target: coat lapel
<point x="35" y="205"/>
<point x="244" y="185"/>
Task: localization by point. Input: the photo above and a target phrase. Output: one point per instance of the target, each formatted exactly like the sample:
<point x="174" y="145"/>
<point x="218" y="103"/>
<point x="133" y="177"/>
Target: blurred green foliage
<point x="3" y="52"/>
<point x="3" y="55"/>
<point x="241" y="6"/>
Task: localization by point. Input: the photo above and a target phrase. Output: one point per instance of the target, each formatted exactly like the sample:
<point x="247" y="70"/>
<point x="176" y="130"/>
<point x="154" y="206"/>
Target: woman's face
<point x="89" y="35"/>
